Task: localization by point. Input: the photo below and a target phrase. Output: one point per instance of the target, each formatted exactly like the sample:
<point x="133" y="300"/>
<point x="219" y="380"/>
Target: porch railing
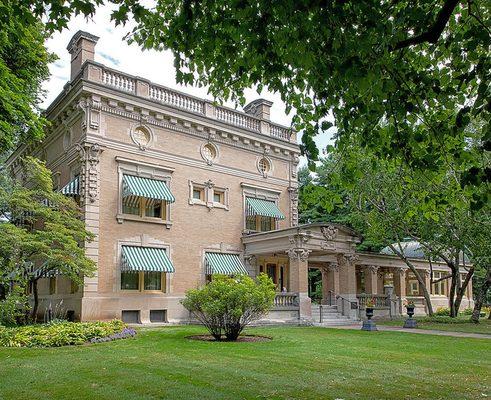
<point x="380" y="300"/>
<point x="283" y="300"/>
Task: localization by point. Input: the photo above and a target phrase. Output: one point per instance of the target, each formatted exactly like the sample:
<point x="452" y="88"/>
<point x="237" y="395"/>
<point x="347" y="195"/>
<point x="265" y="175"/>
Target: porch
<point x="346" y="278"/>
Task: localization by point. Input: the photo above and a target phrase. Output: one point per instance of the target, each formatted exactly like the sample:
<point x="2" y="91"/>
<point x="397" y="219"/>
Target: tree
<point x="226" y="305"/>
<point x="422" y="68"/>
<point x="23" y="67"/>
<point x="42" y="232"/>
<point x="393" y="201"/>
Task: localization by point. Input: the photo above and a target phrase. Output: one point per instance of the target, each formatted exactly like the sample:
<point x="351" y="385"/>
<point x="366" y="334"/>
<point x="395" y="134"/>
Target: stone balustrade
<point x="282" y="300"/>
<point x="96" y="72"/>
<point x="380" y="300"/>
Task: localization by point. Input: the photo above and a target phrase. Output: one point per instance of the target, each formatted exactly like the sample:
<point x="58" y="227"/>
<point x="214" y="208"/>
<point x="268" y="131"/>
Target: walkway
<point x="422" y="331"/>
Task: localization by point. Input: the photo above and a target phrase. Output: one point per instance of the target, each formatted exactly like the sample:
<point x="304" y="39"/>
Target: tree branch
<point x="434" y="32"/>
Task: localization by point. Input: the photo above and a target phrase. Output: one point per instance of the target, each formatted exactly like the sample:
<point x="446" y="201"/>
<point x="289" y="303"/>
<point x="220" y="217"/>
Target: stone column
<point x="400" y="282"/>
<point x="330" y="282"/>
<point x="347" y="283"/>
<point x="298" y="277"/>
<point x="371" y="279"/>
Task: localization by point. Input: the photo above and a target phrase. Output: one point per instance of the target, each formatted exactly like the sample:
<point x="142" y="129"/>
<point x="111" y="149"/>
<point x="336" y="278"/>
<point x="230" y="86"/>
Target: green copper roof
<point x="146" y="187"/>
<point x="222" y="263"/>
<point x="135" y="258"/>
<point x="72" y="188"/>
<point x="264" y="208"/>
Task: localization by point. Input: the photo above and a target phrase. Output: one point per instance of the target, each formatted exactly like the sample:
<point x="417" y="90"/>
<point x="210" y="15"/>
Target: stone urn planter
<point x="369" y="324"/>
<point x="410" y="321"/>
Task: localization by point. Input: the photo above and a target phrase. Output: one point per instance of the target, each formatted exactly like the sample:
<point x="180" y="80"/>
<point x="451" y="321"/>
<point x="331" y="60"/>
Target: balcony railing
<point x="161" y="94"/>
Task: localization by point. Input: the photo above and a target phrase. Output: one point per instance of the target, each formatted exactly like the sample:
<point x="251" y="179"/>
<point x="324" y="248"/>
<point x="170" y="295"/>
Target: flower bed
<point x="63" y="333"/>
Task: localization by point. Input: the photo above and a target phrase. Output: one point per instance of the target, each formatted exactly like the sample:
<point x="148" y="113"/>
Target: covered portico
<point x="349" y="278"/>
<point x="329" y="247"/>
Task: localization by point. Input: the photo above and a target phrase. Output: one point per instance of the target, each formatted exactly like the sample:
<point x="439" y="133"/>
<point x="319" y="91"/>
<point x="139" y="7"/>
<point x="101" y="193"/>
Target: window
<point x="199" y="194"/>
<point x="259" y="223"/>
<point x="130" y="316"/>
<point x="218" y="196"/>
<point x="130" y="280"/>
<point x="52" y="285"/>
<point x="439" y="287"/>
<point x="208" y="195"/>
<point x="144" y="207"/>
<point x="158" y="315"/>
<point x="143" y="281"/>
<point x="152" y="280"/>
<point x="209" y="152"/>
<point x="264" y="166"/>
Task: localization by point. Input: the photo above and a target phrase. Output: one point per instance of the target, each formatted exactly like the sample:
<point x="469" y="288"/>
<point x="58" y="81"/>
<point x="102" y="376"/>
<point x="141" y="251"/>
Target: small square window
<point x="158" y="315"/>
<point x="218" y="197"/>
<point x="198" y="194"/>
<point x="130" y="316"/>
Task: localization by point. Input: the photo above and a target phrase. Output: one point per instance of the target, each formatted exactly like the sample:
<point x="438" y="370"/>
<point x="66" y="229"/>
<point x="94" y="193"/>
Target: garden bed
<point x="240" y="339"/>
<point x="63" y="333"/>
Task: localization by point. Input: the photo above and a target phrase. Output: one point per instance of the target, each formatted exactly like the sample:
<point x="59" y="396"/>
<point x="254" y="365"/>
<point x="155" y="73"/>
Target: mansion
<point x="176" y="188"/>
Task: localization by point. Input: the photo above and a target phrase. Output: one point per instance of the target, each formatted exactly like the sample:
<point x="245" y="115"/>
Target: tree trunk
<point x="463" y="288"/>
<point x="451" y="295"/>
<point x="426" y="293"/>
<point x="480" y="297"/>
<point x="35" y="307"/>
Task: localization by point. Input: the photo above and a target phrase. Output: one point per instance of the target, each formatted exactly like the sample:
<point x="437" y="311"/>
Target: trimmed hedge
<point x="57" y="334"/>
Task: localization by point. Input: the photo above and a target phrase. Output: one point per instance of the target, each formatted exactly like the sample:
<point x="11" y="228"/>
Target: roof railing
<point x="118" y="80"/>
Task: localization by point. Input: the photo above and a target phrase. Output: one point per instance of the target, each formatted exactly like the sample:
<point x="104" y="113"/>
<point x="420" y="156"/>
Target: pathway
<point x="422" y="331"/>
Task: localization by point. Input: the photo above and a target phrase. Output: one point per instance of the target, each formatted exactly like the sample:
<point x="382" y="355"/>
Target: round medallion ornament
<point x="209" y="152"/>
<point x="141" y="136"/>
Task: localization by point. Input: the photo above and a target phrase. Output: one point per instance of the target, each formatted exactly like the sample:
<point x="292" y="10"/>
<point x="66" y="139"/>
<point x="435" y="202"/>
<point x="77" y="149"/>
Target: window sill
<point x="127" y="217"/>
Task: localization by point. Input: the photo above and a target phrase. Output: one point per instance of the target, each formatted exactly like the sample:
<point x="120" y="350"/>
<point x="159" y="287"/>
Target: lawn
<point x="463" y="325"/>
<point x="299" y="363"/>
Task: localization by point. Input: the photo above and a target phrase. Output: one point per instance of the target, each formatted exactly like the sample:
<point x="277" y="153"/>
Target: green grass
<point x="299" y="363"/>
<point x="463" y="325"/>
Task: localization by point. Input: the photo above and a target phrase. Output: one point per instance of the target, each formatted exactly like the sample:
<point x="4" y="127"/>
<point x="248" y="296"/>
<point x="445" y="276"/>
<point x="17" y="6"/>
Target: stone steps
<point x="330" y="316"/>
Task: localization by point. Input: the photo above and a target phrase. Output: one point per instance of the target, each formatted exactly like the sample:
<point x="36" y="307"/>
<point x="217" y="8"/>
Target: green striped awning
<point x="146" y="187"/>
<point x="222" y="263"/>
<point x="72" y="188"/>
<point x="136" y="258"/>
<point x="264" y="208"/>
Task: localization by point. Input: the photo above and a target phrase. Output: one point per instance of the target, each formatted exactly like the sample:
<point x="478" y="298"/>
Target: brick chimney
<point x="81" y="47"/>
<point x="259" y="108"/>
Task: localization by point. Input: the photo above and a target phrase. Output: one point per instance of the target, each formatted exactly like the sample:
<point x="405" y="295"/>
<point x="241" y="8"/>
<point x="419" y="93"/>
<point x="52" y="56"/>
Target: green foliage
<point x="23" y="67"/>
<point x="227" y="304"/>
<point x="43" y="228"/>
<point x="14" y="307"/>
<point x="442" y="312"/>
<point x="404" y="79"/>
<point x="57" y="334"/>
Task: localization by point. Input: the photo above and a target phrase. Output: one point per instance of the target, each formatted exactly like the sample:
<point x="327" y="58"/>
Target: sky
<point x="112" y="50"/>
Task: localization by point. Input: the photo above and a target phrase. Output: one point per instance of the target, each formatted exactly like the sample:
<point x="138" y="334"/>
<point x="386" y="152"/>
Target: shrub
<point x="14" y="308"/>
<point x="442" y="311"/>
<point x="466" y="311"/>
<point x="227" y="305"/>
<point x="58" y="333"/>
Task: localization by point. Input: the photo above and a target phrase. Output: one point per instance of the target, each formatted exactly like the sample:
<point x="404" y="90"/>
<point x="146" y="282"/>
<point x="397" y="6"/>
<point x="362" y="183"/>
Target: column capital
<point x="350" y="258"/>
<point x="333" y="266"/>
<point x="371" y="268"/>
<point x="297" y="253"/>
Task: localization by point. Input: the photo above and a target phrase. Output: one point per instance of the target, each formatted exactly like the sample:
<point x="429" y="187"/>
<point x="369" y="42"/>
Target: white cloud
<point x="114" y="51"/>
